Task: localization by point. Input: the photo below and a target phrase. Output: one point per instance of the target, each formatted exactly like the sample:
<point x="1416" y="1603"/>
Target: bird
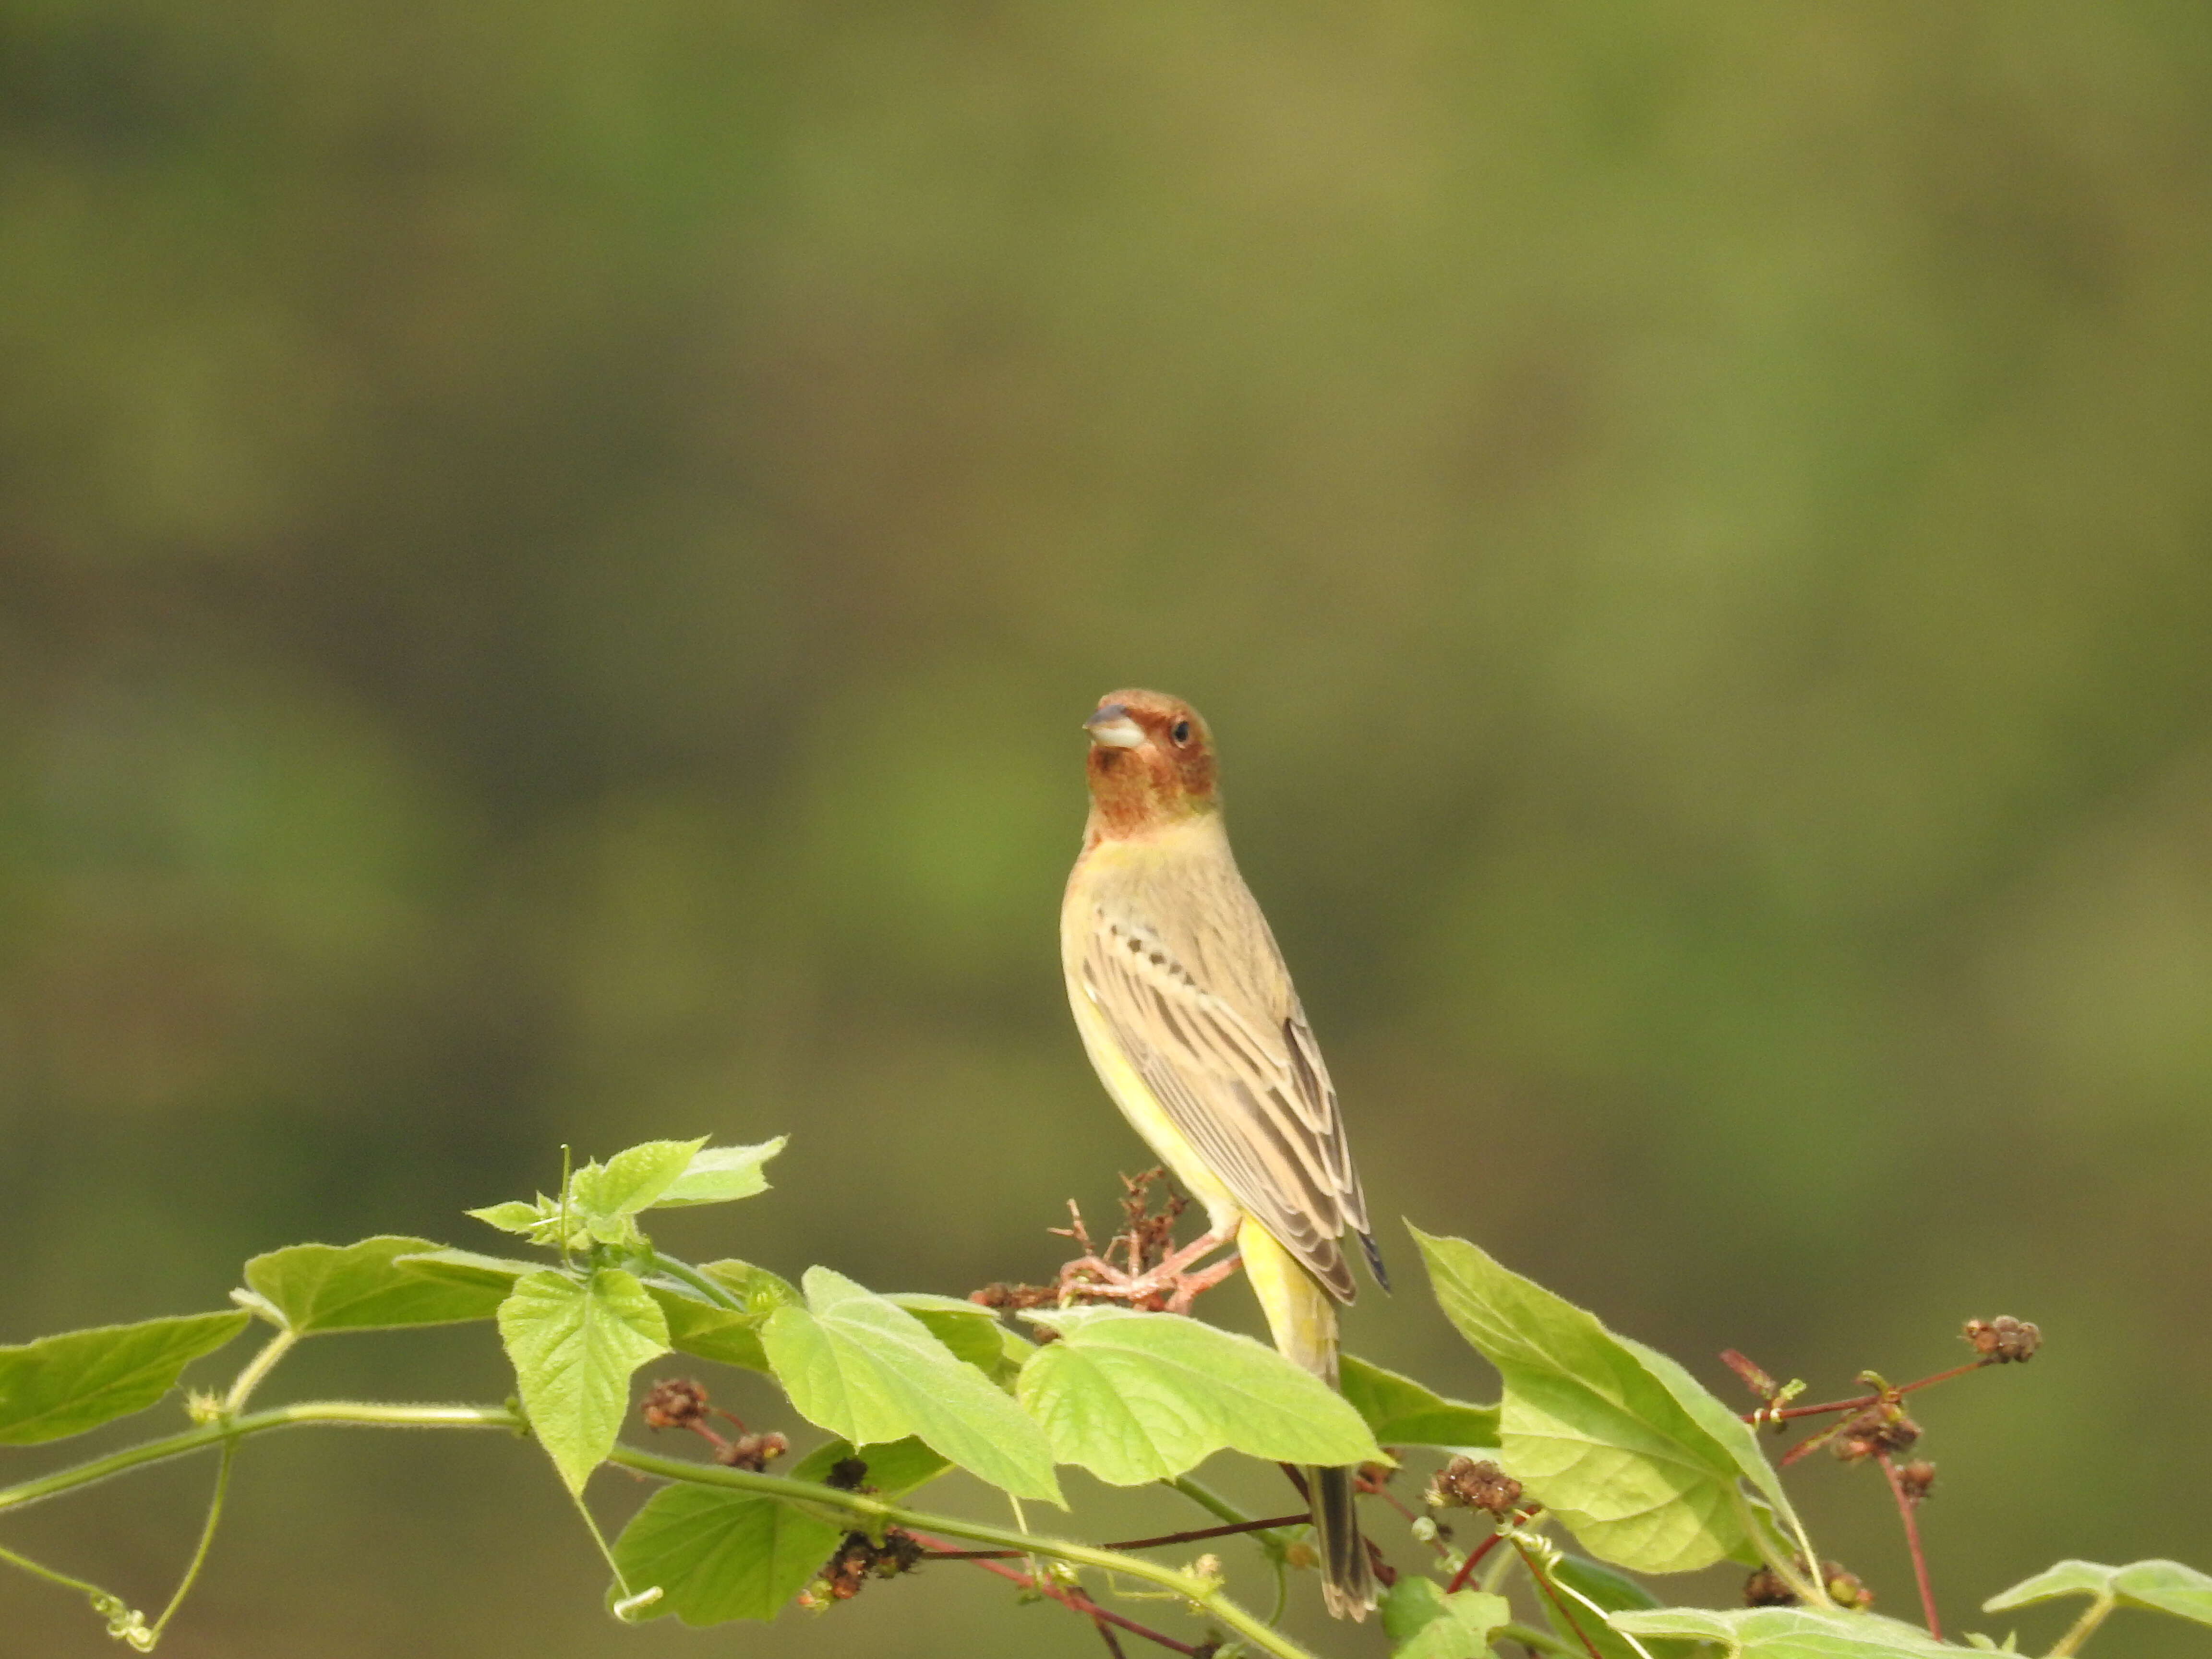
<point x="1189" y="1017"/>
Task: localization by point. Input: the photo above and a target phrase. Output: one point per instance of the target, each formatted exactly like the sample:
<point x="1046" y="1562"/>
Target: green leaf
<point x="359" y="1287"/>
<point x="1789" y="1634"/>
<point x="860" y="1367"/>
<point x="1135" y="1397"/>
<point x="62" y="1385"/>
<point x="720" y="1173"/>
<point x="710" y="1332"/>
<point x="466" y="1267"/>
<point x="718" y="1555"/>
<point x="1626" y="1447"/>
<point x="513" y="1215"/>
<point x="971" y="1331"/>
<point x="762" y="1291"/>
<point x="606" y="1197"/>
<point x="2162" y="1586"/>
<point x="1402" y="1412"/>
<point x="1423" y="1623"/>
<point x="574" y="1345"/>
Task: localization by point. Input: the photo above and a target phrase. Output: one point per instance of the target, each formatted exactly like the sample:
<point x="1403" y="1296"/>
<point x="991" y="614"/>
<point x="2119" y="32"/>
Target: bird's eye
<point x="1181" y="733"/>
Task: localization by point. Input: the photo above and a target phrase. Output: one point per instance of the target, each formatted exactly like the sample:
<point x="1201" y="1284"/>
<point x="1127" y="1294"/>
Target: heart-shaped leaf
<point x="1134" y="1397"/>
<point x="859" y="1366"/>
<point x="575" y="1343"/>
<point x="717" y="1554"/>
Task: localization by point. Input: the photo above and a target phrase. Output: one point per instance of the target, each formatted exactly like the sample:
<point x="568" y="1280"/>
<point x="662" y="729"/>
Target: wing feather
<point x="1233" y="1064"/>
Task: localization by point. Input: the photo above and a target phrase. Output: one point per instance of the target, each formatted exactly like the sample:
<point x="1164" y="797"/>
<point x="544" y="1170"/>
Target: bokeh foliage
<point x="551" y="556"/>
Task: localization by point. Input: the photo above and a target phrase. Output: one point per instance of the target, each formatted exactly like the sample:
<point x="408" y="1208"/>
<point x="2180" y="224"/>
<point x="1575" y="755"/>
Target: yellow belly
<point x="1138" y="1104"/>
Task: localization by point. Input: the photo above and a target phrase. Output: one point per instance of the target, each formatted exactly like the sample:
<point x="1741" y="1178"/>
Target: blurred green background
<point x="551" y="557"/>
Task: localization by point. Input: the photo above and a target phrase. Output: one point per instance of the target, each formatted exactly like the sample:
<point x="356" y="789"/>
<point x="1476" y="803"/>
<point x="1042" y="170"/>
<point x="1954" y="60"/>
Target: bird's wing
<point x="1240" y="1075"/>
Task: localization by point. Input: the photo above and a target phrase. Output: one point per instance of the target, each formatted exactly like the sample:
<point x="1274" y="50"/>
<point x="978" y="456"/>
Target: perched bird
<point x="1189" y="1017"/>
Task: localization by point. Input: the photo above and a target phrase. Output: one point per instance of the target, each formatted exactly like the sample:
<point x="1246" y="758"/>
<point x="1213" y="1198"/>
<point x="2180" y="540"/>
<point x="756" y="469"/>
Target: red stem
<point x="1160" y="1542"/>
<point x="1904" y="1508"/>
<point x="1073" y="1599"/>
<point x="1376" y="1489"/>
<point x="1106" y="1635"/>
<point x="1558" y="1605"/>
<point x="1474" y="1556"/>
<point x="1473" y="1559"/>
<point x="1789" y="1412"/>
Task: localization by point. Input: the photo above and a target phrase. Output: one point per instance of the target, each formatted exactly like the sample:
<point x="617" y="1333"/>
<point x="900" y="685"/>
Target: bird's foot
<point x="1170" y="1287"/>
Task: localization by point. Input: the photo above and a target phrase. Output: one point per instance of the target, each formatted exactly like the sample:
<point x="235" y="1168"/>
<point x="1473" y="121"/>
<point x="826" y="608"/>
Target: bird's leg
<point x="1171" y="1285"/>
<point x="1172" y="1265"/>
<point x="1188" y="1286"/>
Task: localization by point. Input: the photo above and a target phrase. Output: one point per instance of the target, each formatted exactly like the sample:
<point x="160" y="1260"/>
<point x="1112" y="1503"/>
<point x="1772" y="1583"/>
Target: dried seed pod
<point x="676" y="1403"/>
<point x="1878" y="1428"/>
<point x="752" y="1451"/>
<point x="1476" y="1486"/>
<point x="2004" y="1340"/>
<point x="1765" y="1588"/>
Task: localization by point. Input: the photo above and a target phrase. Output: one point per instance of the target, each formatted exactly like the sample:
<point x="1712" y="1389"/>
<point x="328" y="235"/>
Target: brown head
<point x="1152" y="762"/>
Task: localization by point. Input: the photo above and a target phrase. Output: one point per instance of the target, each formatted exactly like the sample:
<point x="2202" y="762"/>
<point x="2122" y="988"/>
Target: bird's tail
<point x="1303" y="1318"/>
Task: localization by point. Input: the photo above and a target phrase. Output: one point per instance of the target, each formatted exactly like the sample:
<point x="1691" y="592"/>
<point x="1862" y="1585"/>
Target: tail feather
<point x="1347" y="1584"/>
<point x="1302" y="1316"/>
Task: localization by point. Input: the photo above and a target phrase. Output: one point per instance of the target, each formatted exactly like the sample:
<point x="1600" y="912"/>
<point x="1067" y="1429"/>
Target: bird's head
<point x="1152" y="762"/>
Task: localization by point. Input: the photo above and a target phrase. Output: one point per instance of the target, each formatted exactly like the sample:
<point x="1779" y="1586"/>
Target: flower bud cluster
<point x="1466" y="1483"/>
<point x="2003" y="1341"/>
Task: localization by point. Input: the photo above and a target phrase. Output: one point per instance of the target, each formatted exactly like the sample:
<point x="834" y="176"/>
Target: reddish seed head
<point x="1152" y="762"/>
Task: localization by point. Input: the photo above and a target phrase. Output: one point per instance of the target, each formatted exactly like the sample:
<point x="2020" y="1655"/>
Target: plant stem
<point x="1074" y="1599"/>
<point x="1805" y="1586"/>
<point x="256" y="1368"/>
<point x="717" y="1294"/>
<point x="1864" y="1400"/>
<point x="345" y="1412"/>
<point x="1273" y="1544"/>
<point x="1214" y="1503"/>
<point x="1228" y="1530"/>
<point x="808" y="1496"/>
<point x="1377" y="1489"/>
<point x="1544" y="1584"/>
<point x="1474" y="1560"/>
<point x="1905" y="1509"/>
<point x="2083" y="1628"/>
<point x="207" y="1531"/>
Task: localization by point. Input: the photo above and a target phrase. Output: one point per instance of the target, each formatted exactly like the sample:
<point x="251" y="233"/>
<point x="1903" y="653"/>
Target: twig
<point x="1552" y="1596"/>
<point x="1161" y="1542"/>
<point x="1377" y="1489"/>
<point x="1068" y="1598"/>
<point x="870" y="1511"/>
<point x="1474" y="1556"/>
<point x="1768" y="1415"/>
<point x="1905" y="1509"/>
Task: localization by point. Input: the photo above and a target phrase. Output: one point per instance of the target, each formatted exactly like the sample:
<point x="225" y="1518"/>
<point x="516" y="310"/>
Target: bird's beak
<point x="1112" y="728"/>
